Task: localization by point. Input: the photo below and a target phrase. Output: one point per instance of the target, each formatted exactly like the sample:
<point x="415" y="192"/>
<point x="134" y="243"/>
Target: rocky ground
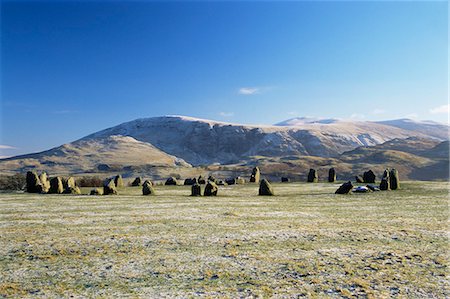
<point x="303" y="242"/>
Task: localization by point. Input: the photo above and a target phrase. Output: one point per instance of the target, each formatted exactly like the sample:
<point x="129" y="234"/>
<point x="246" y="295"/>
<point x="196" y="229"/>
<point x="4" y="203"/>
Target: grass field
<point x="304" y="242"/>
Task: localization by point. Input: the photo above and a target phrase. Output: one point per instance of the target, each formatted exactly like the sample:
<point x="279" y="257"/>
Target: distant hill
<point x="180" y="142"/>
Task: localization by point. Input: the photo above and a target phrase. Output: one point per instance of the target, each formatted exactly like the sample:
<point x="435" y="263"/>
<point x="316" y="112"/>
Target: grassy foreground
<point x="304" y="242"/>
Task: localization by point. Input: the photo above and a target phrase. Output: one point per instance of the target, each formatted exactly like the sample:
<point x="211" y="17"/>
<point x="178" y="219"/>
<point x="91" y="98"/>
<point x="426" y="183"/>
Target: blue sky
<point x="71" y="68"/>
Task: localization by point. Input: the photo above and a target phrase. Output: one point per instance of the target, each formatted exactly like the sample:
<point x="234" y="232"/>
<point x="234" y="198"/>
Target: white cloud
<point x="249" y="90"/>
<point x="226" y="114"/>
<point x="4" y="157"/>
<point x="3" y="147"/>
<point x="378" y="111"/>
<point x="411" y="115"/>
<point x="357" y="116"/>
<point x="444" y="109"/>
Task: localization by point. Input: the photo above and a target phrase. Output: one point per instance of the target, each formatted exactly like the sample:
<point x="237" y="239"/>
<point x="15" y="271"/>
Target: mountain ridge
<point x="183" y="142"/>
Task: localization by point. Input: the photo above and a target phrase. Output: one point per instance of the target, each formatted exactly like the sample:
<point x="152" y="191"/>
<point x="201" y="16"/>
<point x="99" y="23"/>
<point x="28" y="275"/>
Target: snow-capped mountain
<point x="180" y="141"/>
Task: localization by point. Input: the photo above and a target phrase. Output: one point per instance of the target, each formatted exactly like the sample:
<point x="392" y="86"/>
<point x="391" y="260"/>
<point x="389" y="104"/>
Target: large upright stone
<point x="240" y="180"/>
<point x="201" y="180"/>
<point x="331" y="175"/>
<point x="109" y="188"/>
<point x="69" y="182"/>
<point x="118" y="181"/>
<point x="312" y="176"/>
<point x="72" y="190"/>
<point x="190" y="181"/>
<point x="56" y="186"/>
<point x="255" y="176"/>
<point x="344" y="188"/>
<point x="385" y="180"/>
<point x="369" y="177"/>
<point x="171" y="181"/>
<point x="137" y="182"/>
<point x="147" y="188"/>
<point x="359" y="179"/>
<point x="96" y="191"/>
<point x="44" y="182"/>
<point x="212" y="179"/>
<point x="265" y="188"/>
<point x="196" y="190"/>
<point x="70" y="186"/>
<point x="393" y="179"/>
<point x="385" y="184"/>
<point x="33" y="184"/>
<point x="211" y="189"/>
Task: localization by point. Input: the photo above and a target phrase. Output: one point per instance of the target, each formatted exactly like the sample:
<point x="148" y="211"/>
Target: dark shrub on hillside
<point x="89" y="181"/>
<point x="12" y="182"/>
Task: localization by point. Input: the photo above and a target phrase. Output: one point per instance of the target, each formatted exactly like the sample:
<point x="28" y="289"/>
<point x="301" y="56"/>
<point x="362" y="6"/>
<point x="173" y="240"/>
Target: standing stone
<point x="384" y="184"/>
<point x="239" y="180"/>
<point x="284" y="179"/>
<point x="33" y="183"/>
<point x="147" y="188"/>
<point x="201" y="180"/>
<point x="44" y="182"/>
<point x="70" y="186"/>
<point x="393" y="179"/>
<point x="171" y="181"/>
<point x="331" y="175"/>
<point x="190" y="182"/>
<point x="369" y="177"/>
<point x="72" y="190"/>
<point x="118" y="181"/>
<point x="345" y="188"/>
<point x="265" y="188"/>
<point x="212" y="179"/>
<point x="69" y="182"/>
<point x="312" y="176"/>
<point x="96" y="191"/>
<point x="255" y="176"/>
<point x="109" y="188"/>
<point x="359" y="179"/>
<point x="56" y="186"/>
<point x="196" y="190"/>
<point x="137" y="182"/>
<point x="211" y="189"/>
<point x="230" y="181"/>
